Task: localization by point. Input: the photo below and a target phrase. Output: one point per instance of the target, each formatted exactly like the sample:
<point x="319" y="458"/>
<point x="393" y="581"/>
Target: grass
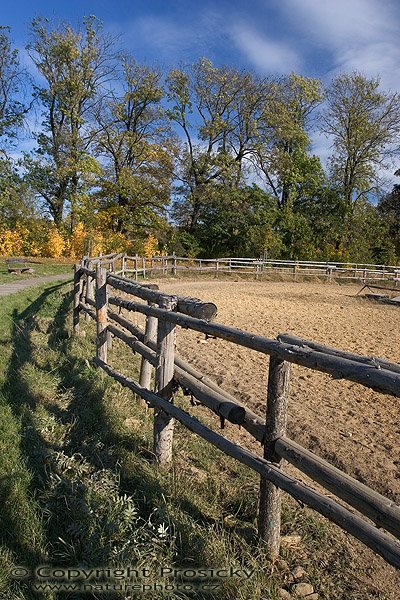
<point x="41" y="266"/>
<point x="78" y="487"/>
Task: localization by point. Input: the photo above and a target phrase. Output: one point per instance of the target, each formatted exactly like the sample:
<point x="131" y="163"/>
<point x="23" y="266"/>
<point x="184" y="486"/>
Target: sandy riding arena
<point x="355" y="428"/>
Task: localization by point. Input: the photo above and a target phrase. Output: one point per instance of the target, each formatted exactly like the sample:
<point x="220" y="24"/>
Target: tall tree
<point x="12" y="83"/>
<point x="363" y="123"/>
<point x="216" y="109"/>
<point x="136" y="144"/>
<point x="15" y="201"/>
<point x="74" y="64"/>
<point x="281" y="149"/>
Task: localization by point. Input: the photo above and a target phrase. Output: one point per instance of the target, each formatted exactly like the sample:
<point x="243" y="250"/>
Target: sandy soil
<point x="355" y="428"/>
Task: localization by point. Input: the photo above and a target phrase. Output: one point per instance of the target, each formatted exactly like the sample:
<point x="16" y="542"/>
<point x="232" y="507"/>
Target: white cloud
<point x="360" y="34"/>
<point x="265" y="54"/>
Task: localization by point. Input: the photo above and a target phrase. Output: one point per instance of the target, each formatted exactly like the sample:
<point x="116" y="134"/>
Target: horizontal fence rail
<point x="142" y="267"/>
<point x="94" y="296"/>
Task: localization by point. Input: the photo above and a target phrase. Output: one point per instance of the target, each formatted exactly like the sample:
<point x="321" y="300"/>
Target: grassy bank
<point x="78" y="487"/>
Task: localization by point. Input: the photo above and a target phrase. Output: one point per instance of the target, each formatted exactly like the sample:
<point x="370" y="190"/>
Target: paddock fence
<point x="102" y="295"/>
<point x="138" y="267"/>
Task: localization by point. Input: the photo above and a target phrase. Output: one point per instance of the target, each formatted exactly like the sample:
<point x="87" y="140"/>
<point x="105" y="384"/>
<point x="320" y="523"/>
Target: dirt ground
<point x="355" y="428"/>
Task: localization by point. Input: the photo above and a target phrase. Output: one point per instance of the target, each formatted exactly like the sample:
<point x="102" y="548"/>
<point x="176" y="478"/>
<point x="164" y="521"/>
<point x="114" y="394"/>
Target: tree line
<point x="203" y="160"/>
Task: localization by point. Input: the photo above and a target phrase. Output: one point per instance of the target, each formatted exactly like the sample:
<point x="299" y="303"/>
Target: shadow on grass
<point x="93" y="444"/>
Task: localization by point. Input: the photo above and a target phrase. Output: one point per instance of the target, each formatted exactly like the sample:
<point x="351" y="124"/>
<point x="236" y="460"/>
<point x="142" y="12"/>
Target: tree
<point x="363" y="123"/>
<point x="281" y="149"/>
<point x="237" y="222"/>
<point x="136" y="145"/>
<point x="216" y="109"/>
<point x="12" y="83"/>
<point x="389" y="209"/>
<point x="74" y="65"/>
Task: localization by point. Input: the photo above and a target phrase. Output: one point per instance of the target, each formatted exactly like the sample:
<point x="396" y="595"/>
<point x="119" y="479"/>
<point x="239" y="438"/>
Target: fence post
<point x="269" y="521"/>
<point x="174" y="265"/>
<point x="86" y="294"/>
<point x="77" y="297"/>
<point x="101" y="313"/>
<point x="163" y="423"/>
<point x="144" y="267"/>
<point x="150" y="335"/>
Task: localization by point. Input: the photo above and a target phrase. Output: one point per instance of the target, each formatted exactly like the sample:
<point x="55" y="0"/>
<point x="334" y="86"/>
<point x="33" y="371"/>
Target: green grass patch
<point x="41" y="267"/>
<point x="79" y="488"/>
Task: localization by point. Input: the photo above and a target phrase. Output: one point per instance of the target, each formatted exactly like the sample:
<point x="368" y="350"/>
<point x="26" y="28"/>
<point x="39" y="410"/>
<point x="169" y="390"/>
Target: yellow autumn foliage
<point x="76" y="246"/>
<point x="150" y="246"/>
<point x="11" y="242"/>
<point x="55" y="243"/>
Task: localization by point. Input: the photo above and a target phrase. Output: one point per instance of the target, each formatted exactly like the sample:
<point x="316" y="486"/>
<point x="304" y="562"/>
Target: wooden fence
<point x="141" y="267"/>
<point x="96" y="295"/>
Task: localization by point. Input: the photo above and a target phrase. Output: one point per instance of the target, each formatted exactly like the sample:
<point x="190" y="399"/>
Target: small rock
<point x="282" y="593"/>
<point x="302" y="589"/>
<point x="298" y="573"/>
<point x="281" y="564"/>
<point x="312" y="597"/>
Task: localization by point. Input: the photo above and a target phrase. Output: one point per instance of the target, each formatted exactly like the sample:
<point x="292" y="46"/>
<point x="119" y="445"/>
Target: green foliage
<point x="363" y="123"/>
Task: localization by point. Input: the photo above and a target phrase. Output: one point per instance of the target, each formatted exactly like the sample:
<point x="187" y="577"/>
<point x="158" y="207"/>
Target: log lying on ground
<point x="378" y="363"/>
<point x="381" y="543"/>
<point x="188" y="306"/>
<point x="381" y="380"/>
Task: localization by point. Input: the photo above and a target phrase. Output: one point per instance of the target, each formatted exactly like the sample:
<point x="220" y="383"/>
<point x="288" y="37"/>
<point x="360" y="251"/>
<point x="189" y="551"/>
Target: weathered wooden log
<point x="381" y="380"/>
<point x="163" y="422"/>
<point x="88" y="272"/>
<point x="213" y="400"/>
<point x="201" y="386"/>
<point x="87" y="310"/>
<point x="146" y="367"/>
<point x="77" y="297"/>
<point x="101" y="312"/>
<point x="189" y="306"/>
<point x="90" y="302"/>
<point x="381" y="543"/>
<point x="378" y="363"/>
<point x="382" y="511"/>
<point x="269" y="518"/>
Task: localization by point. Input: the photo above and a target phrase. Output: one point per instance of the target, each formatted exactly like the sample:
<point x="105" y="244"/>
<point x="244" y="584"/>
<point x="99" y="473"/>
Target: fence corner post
<point x="164" y="423"/>
<point x="269" y="518"/>
<point x="77" y="297"/>
<point x="101" y="312"/>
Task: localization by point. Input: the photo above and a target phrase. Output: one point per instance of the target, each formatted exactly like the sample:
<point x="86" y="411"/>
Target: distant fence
<point x="95" y="295"/>
<point x="139" y="266"/>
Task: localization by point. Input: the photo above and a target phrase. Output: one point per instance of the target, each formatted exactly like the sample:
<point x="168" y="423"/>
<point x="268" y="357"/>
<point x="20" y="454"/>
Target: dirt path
<point x="16" y="286"/>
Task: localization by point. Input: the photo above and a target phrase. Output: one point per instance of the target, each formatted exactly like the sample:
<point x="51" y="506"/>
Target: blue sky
<point x="314" y="37"/>
<point x="317" y="38"/>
